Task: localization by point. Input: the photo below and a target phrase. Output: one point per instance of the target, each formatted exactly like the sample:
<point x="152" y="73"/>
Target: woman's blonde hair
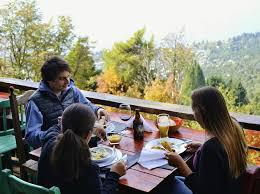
<point x="211" y="111"/>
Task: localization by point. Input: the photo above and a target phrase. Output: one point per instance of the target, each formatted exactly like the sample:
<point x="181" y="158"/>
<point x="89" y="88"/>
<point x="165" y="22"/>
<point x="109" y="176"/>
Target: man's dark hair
<point x="53" y="67"/>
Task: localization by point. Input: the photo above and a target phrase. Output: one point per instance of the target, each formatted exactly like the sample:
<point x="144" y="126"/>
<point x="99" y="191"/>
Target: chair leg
<point x="9" y="161"/>
<point x="23" y="173"/>
<point x="1" y="165"/>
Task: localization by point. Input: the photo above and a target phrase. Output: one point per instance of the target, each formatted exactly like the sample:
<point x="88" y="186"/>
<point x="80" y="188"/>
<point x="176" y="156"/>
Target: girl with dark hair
<point x="222" y="159"/>
<point x="65" y="158"/>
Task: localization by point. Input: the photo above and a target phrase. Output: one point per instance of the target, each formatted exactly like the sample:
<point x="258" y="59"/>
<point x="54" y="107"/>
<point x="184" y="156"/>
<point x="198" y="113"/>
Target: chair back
<point x="21" y="145"/>
<point x="17" y="128"/>
<point x="10" y="184"/>
<point x="22" y="101"/>
<point x="4" y="106"/>
<point x="251" y="182"/>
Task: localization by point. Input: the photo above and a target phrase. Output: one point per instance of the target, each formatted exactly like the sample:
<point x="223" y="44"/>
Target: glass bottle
<point x="138" y="126"/>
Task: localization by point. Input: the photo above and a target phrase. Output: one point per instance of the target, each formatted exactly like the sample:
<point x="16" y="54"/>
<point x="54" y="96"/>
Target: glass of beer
<point x="163" y="122"/>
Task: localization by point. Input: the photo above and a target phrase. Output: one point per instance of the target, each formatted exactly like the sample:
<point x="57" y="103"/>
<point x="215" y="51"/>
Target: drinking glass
<point x="125" y="110"/>
<point x="114" y="138"/>
<point x="163" y="122"/>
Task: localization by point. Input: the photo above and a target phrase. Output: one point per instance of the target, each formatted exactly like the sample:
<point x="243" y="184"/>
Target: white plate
<point x="177" y="144"/>
<point x="116" y="157"/>
<point x="106" y="151"/>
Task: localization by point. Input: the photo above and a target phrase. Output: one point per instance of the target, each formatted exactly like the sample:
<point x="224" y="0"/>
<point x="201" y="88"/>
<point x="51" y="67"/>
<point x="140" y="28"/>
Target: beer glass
<point x="125" y="110"/>
<point x="163" y="122"/>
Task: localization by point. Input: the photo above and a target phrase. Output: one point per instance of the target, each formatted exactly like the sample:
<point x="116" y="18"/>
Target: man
<point x="56" y="92"/>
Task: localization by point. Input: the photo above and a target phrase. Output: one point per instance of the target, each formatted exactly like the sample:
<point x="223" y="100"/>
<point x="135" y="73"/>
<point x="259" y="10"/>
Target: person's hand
<point x="100" y="132"/>
<point x="192" y="147"/>
<point x="101" y="112"/>
<point x="176" y="160"/>
<point x="119" y="168"/>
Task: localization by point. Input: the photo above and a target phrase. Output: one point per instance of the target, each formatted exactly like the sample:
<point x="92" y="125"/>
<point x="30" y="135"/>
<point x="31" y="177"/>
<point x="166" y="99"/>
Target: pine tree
<point x="240" y="94"/>
<point x="82" y="64"/>
<point x="194" y="78"/>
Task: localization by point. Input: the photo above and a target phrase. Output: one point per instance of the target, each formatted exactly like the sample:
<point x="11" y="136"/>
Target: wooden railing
<point x="185" y="112"/>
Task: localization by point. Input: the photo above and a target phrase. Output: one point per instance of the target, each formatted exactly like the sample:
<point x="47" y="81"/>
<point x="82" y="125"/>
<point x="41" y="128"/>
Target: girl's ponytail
<point x="69" y="153"/>
<point x="71" y="150"/>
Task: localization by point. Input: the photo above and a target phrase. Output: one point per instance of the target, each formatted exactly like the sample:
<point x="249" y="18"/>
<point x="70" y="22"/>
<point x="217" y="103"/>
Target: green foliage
<point x="237" y="58"/>
<point x="215" y="81"/>
<point x="194" y="78"/>
<point x="133" y="67"/>
<point x="241" y="95"/>
<point x="131" y="60"/>
<point x="63" y="35"/>
<point x="81" y="61"/>
<point x="234" y="93"/>
<point x="27" y="41"/>
<point x="173" y="57"/>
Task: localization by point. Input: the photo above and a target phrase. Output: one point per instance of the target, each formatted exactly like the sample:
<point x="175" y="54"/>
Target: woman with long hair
<point x="222" y="159"/>
<point x="65" y="159"/>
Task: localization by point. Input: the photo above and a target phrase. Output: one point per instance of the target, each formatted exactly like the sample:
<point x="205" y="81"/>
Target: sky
<point x="109" y="21"/>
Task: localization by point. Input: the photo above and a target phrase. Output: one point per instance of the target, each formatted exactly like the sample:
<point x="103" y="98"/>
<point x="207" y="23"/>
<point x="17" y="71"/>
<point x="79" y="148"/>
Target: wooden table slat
<point x="140" y="181"/>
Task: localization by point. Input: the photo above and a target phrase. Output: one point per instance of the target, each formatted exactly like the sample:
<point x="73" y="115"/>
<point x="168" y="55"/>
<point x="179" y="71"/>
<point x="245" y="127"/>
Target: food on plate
<point x="98" y="154"/>
<point x="114" y="138"/>
<point x="164" y="145"/>
<point x="157" y="147"/>
<point x="167" y="145"/>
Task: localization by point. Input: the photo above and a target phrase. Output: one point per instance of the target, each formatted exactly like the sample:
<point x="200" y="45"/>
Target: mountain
<point x="237" y="58"/>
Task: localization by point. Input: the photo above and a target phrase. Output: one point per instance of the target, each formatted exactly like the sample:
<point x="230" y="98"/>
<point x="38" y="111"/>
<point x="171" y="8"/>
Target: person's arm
<point x="79" y="97"/>
<point x="34" y="120"/>
<point x="111" y="182"/>
<point x="110" y="185"/>
<point x="211" y="177"/>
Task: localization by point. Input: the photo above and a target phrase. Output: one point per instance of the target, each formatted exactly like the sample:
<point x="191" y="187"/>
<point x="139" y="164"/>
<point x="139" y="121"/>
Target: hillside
<point x="236" y="58"/>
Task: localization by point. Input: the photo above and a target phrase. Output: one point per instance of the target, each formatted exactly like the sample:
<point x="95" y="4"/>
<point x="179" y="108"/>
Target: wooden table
<point x="137" y="178"/>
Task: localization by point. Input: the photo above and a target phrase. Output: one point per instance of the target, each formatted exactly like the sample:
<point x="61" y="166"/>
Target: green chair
<point x="7" y="136"/>
<point x="7" y="139"/>
<point x="28" y="167"/>
<point x="10" y="184"/>
<point x="5" y="106"/>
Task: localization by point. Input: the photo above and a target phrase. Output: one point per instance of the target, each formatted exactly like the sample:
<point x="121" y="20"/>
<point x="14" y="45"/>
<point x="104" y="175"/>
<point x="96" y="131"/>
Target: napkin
<point x="147" y="126"/>
<point x="152" y="158"/>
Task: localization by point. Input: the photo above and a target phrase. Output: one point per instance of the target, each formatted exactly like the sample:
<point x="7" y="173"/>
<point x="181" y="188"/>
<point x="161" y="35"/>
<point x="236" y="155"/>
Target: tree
<point x="215" y="81"/>
<point x="173" y="57"/>
<point x="17" y="23"/>
<point x="63" y="35"/>
<point x="157" y="91"/>
<point x="134" y="92"/>
<point x="240" y="94"/>
<point x="110" y="82"/>
<point x="228" y="94"/>
<point x="81" y="60"/>
<point x="27" y="42"/>
<point x="131" y="61"/>
<point x="194" y="78"/>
